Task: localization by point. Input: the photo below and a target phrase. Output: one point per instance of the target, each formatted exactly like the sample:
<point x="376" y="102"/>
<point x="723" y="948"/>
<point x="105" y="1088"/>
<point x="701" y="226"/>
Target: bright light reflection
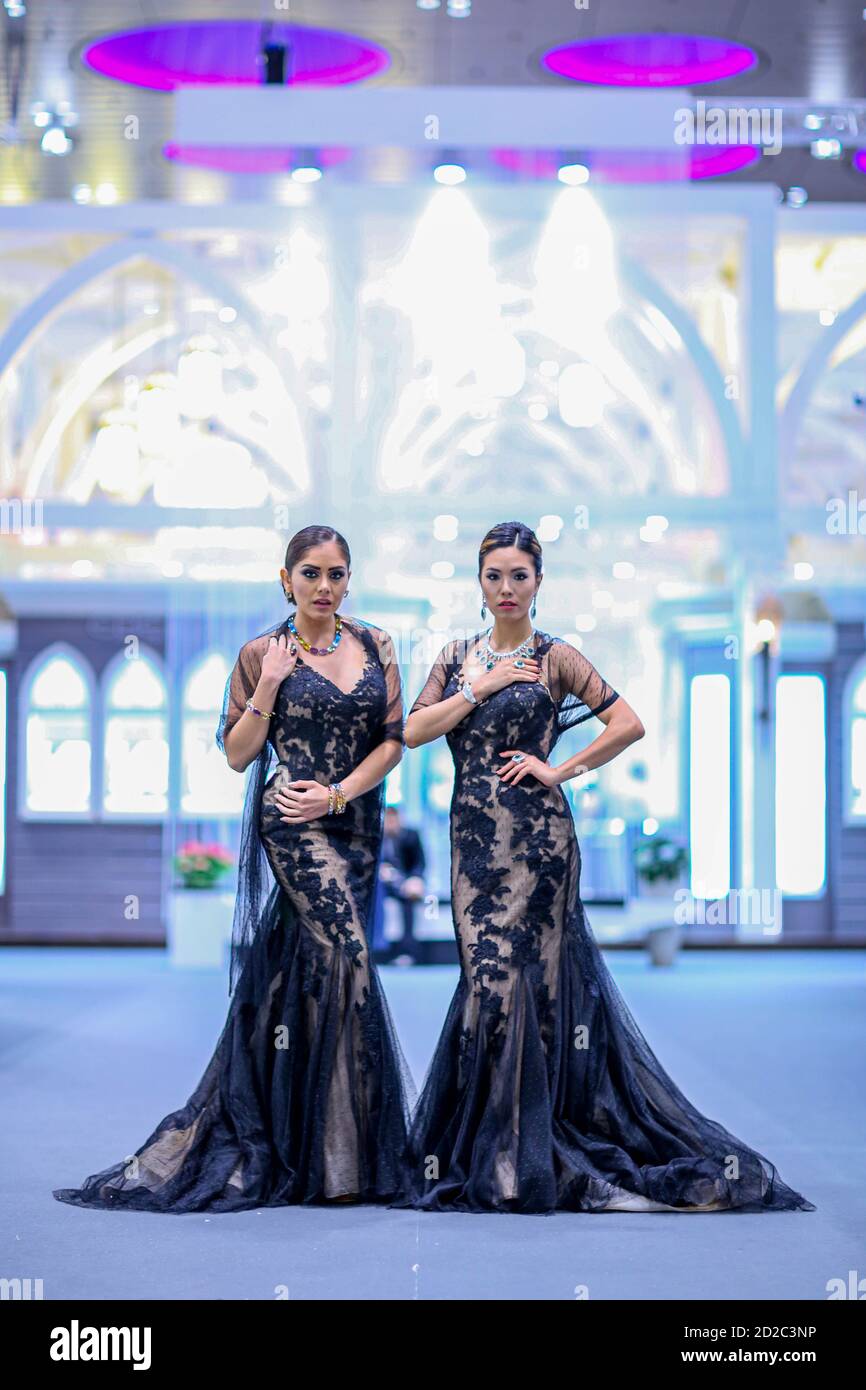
<point x="710" y="786"/>
<point x="801" y="789"/>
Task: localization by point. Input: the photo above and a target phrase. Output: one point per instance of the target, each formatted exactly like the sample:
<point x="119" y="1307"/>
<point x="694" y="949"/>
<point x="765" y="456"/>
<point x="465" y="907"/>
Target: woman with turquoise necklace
<point x="543" y="1094"/>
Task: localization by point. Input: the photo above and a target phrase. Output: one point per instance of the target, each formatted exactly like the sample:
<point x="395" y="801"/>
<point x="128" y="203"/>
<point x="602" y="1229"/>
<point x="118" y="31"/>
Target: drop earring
<point x="533" y="610"/>
<point x="483" y="608"/>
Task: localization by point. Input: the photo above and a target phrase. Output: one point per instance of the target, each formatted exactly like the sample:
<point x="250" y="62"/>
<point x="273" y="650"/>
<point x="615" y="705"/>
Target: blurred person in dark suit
<point x="401" y="870"/>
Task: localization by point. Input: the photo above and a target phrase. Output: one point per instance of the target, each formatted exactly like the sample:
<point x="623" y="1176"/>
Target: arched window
<point x="136" y="750"/>
<point x="56" y="721"/>
<point x="854" y="723"/>
<point x="209" y="787"/>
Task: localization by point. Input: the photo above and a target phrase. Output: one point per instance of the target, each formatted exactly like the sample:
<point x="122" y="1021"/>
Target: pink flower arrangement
<point x="200" y="864"/>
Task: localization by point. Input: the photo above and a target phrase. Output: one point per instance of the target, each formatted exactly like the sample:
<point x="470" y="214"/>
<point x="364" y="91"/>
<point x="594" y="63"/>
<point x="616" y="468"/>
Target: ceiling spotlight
<point x="549" y="527"/>
<point x="62" y="114"/>
<point x="55" y="141"/>
<point x="813" y="121"/>
<point x="459" y="9"/>
<point x="82" y="193"/>
<point x="445" y="527"/>
<point x="306" y="173"/>
<point x="826" y="148"/>
<point x="428" y="4"/>
<point x="53" y="124"/>
<point x="449" y="173"/>
<point x="106" y="193"/>
<point x="573" y="174"/>
<point x="796" y="197"/>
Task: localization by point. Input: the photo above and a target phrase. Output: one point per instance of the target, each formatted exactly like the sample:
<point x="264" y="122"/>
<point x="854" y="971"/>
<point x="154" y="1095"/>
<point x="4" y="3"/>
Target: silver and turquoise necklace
<point x="490" y="657"/>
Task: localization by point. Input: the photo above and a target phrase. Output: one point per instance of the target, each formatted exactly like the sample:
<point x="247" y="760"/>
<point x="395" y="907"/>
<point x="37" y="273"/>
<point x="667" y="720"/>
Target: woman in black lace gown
<point x="306" y="1097"/>
<point x="543" y="1093"/>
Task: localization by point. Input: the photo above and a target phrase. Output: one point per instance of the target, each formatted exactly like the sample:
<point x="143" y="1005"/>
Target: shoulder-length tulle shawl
<point x="260" y="901"/>
<point x="576" y="688"/>
<point x="578" y="691"/>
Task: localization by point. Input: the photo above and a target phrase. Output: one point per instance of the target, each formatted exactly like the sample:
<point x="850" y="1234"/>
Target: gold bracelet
<point x="262" y="713"/>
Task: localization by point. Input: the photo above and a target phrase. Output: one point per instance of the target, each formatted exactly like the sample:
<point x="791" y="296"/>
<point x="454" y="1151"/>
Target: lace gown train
<point x="307" y="1094"/>
<point x="542" y="1093"/>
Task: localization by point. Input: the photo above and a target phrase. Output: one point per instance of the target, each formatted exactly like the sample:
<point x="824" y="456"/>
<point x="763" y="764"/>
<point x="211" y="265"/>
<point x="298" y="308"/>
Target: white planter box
<point x="199" y="925"/>
<point x="660" y="888"/>
<point x="664" y="934"/>
<point x="663" y="943"/>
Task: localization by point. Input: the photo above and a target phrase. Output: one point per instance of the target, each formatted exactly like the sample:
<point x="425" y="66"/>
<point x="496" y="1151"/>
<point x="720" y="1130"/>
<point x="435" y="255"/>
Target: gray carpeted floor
<point x="96" y="1046"/>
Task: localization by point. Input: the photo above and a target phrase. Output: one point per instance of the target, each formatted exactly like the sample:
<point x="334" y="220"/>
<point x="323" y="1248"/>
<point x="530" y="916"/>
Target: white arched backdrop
<point x="745" y="513"/>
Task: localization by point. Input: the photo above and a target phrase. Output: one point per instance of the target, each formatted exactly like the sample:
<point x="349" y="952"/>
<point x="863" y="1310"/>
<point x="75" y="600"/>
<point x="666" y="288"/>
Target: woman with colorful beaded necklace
<point x="307" y="1096"/>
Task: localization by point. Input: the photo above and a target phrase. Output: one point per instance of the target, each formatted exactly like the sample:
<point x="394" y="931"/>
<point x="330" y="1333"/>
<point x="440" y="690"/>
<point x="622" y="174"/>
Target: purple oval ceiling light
<point x="858" y="161"/>
<point x="249" y="159"/>
<point x="638" y="166"/>
<point x="635" y="166"/>
<point x="650" y="60"/>
<point x="528" y="164"/>
<point x="214" y="52"/>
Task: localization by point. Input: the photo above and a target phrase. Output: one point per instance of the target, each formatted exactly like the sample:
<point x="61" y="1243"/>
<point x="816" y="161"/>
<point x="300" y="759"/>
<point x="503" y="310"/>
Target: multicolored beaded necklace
<point x="307" y="646"/>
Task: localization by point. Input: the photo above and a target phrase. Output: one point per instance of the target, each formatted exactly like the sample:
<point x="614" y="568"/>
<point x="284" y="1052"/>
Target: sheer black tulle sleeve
<point x="431" y="692"/>
<point x="240" y="686"/>
<point x="392" y="725"/>
<point x="253" y="870"/>
<point x="578" y="690"/>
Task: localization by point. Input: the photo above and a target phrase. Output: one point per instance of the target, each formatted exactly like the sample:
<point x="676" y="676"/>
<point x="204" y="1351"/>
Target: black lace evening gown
<point x="307" y="1095"/>
<point x="542" y="1093"/>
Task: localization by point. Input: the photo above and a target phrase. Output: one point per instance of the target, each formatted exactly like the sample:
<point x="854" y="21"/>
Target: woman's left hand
<point x="301" y="801"/>
<point x="512" y="772"/>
